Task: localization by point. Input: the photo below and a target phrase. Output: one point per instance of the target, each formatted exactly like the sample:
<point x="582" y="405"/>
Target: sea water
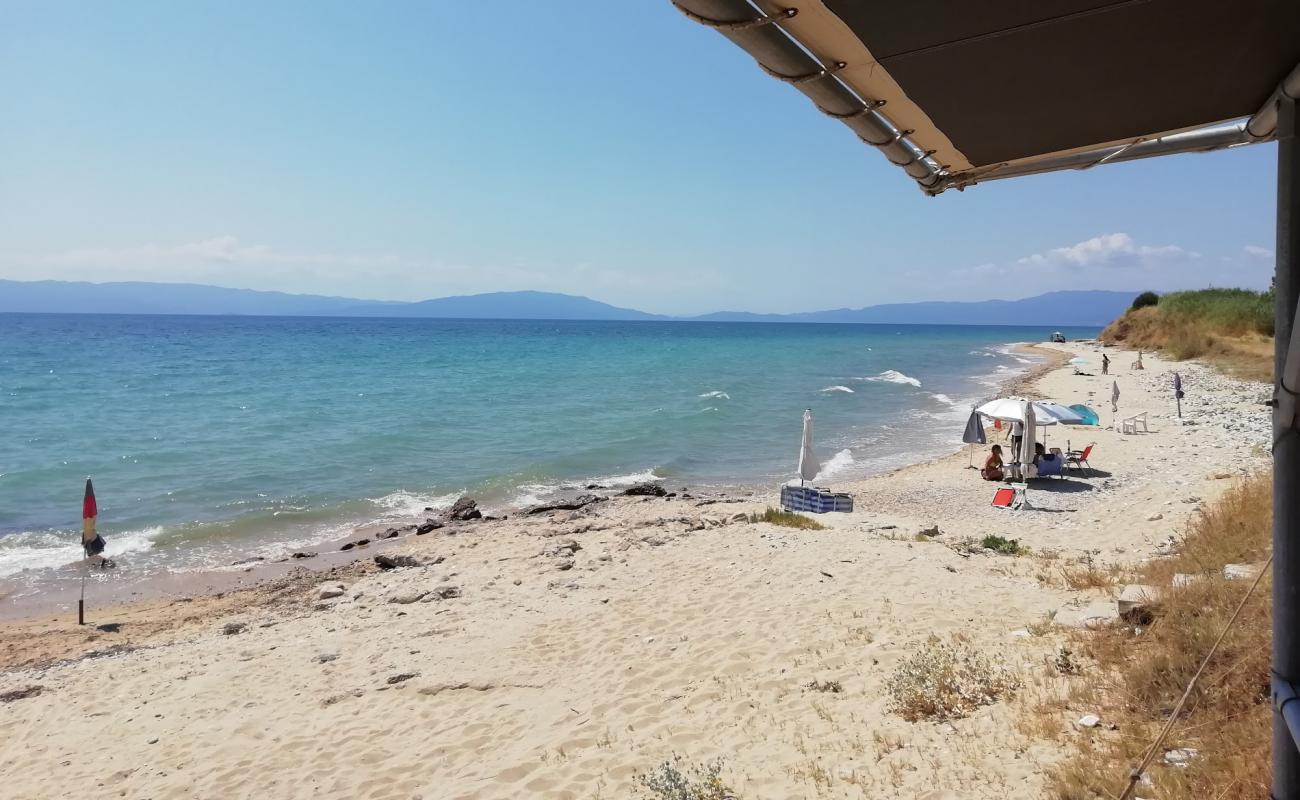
<point x="211" y="437"/>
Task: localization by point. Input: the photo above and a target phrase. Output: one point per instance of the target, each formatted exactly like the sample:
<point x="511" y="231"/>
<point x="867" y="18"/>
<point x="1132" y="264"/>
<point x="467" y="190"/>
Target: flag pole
<point x="81" y="602"/>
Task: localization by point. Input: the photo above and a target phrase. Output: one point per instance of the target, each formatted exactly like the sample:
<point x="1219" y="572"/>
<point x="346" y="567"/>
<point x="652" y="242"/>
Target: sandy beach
<point x="559" y="655"/>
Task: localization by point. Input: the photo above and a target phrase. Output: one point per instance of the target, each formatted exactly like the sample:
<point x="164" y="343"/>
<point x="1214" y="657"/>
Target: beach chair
<point x="1011" y="498"/>
<point x="1051" y="466"/>
<point x="1078" y="459"/>
<point x="1130" y="424"/>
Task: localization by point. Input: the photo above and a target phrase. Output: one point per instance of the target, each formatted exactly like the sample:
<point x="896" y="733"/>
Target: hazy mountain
<point x="1053" y="309"/>
<point x="504" y="305"/>
<point x="138" y="297"/>
<point x="1092" y="308"/>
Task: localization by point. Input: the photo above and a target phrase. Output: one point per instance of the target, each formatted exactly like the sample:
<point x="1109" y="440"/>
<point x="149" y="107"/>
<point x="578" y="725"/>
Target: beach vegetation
<point x="787" y="519"/>
<point x="1002" y="545"/>
<point x="1087" y="574"/>
<point x="833" y="687"/>
<point x="1229" y="328"/>
<point x="1146" y="299"/>
<point x="676" y="779"/>
<point x="947" y="680"/>
<point x="1141" y="670"/>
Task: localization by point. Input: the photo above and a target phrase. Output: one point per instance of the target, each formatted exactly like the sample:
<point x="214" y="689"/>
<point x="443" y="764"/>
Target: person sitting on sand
<point x="993" y="465"/>
<point x="1041" y="454"/>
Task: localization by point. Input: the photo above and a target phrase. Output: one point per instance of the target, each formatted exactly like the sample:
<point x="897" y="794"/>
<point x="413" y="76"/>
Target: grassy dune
<point x="1229" y="328"/>
<point x="1136" y="672"/>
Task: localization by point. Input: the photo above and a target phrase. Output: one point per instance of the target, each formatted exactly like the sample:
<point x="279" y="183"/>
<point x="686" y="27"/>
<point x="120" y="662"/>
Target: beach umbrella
<point x="1089" y="416"/>
<point x="1012" y="409"/>
<point x="1114" y="401"/>
<point x="974" y="434"/>
<point x="91" y="542"/>
<point x="808" y="466"/>
<point x="1178" y="393"/>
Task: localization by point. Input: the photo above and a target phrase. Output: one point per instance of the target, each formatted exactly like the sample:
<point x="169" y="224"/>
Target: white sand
<point x="542" y="682"/>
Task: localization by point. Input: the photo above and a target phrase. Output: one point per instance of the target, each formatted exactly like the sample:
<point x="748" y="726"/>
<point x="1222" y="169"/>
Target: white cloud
<point x="1109" y="249"/>
<point x="1255" y="251"/>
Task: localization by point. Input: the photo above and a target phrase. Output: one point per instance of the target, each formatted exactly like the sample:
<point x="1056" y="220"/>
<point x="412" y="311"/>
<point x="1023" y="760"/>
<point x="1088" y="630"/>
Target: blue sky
<point x="617" y="150"/>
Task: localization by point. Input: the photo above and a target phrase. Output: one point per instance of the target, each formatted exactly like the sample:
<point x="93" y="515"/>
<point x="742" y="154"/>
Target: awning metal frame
<point x="755" y="26"/>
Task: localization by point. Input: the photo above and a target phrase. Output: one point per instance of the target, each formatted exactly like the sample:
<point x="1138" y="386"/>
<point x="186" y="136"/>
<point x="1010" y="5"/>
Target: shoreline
<point x="559" y="655"/>
<point x="247" y="570"/>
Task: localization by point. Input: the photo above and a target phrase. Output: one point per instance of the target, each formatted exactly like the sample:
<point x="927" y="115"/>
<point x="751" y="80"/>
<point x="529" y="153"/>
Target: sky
<point x="407" y="150"/>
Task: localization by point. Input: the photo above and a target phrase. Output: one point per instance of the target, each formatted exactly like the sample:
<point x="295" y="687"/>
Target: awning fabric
<point x="956" y="91"/>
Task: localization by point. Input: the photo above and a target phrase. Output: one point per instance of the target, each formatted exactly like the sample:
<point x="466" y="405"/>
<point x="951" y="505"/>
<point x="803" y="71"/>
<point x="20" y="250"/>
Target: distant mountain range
<point x="1081" y="308"/>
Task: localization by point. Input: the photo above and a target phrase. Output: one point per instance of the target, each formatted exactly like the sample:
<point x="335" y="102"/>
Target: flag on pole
<point x="91" y="541"/>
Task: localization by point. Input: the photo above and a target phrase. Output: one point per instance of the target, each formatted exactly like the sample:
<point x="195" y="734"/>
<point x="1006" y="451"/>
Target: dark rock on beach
<point x="232" y="628"/>
<point x="21" y="694"/>
<point x="393" y="562"/>
<point x="391" y="533"/>
<point x="465" y="508"/>
<point x="303" y="555"/>
<point x="645" y="490"/>
<point x="574" y="504"/>
<point x="428" y="526"/>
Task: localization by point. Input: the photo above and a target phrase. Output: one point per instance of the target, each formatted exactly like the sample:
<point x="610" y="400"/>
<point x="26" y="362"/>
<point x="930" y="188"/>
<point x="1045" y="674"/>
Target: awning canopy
<point x="956" y="92"/>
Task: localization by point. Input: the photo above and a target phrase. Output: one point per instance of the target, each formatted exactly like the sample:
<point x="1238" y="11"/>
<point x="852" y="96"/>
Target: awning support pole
<point x="1286" y="465"/>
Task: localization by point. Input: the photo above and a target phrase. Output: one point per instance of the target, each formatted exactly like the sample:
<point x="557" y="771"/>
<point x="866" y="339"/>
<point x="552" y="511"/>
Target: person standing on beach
<point x="1105" y="364"/>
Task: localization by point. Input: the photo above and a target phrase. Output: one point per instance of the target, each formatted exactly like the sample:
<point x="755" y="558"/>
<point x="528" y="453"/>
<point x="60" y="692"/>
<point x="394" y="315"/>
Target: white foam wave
<point x="531" y="494"/>
<point x="718" y="395"/>
<point x="411" y="504"/>
<point x="894" y="376"/>
<point x="34" y="550"/>
<point x="843" y="389"/>
<point x="943" y="398"/>
<point x="837" y="463"/>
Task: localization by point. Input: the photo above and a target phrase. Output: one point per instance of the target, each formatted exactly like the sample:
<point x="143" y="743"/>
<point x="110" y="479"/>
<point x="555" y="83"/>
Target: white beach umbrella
<point x="1006" y="409"/>
<point x="1046" y="412"/>
<point x="808" y="466"/>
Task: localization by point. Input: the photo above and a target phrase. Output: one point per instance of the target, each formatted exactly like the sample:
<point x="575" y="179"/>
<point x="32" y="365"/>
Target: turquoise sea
<point x="212" y="437"/>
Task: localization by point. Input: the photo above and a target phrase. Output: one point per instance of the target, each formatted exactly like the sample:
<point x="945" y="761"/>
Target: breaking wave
<point x="894" y="376"/>
<point x="836" y="463"/>
<point x="844" y="389"/>
<point x="718" y="395"/>
<point x="47" y="549"/>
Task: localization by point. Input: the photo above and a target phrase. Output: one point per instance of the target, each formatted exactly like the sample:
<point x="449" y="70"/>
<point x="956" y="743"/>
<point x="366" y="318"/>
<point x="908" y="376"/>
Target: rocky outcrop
<point x="645" y="490"/>
<point x="466" y="508"/>
<point x="581" y="501"/>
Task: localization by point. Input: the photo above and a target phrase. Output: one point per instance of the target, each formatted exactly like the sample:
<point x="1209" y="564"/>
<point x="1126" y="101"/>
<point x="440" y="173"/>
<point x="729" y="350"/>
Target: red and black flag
<point x="92" y="542"/>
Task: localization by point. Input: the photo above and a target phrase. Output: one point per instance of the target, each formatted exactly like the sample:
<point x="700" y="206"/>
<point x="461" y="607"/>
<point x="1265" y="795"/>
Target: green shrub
<point x="1146" y="299"/>
<point x="675" y="780"/>
<point x="787" y="519"/>
<point x="945" y="680"/>
<point x="1007" y="547"/>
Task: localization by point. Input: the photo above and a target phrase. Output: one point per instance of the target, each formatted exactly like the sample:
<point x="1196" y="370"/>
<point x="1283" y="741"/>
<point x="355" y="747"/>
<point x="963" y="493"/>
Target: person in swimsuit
<point x="993" y="465"/>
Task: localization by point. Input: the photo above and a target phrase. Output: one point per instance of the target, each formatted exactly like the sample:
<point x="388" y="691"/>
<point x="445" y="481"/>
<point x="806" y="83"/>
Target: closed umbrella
<point x="1026" y="455"/>
<point x="1114" y="401"/>
<point x="974" y="434"/>
<point x="808" y="466"/>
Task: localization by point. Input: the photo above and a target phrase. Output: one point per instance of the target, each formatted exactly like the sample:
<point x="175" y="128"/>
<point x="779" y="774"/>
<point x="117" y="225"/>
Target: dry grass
<point x="787" y="519"/>
<point x="1085" y="574"/>
<point x="1140" y="672"/>
<point x="1230" y="332"/>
